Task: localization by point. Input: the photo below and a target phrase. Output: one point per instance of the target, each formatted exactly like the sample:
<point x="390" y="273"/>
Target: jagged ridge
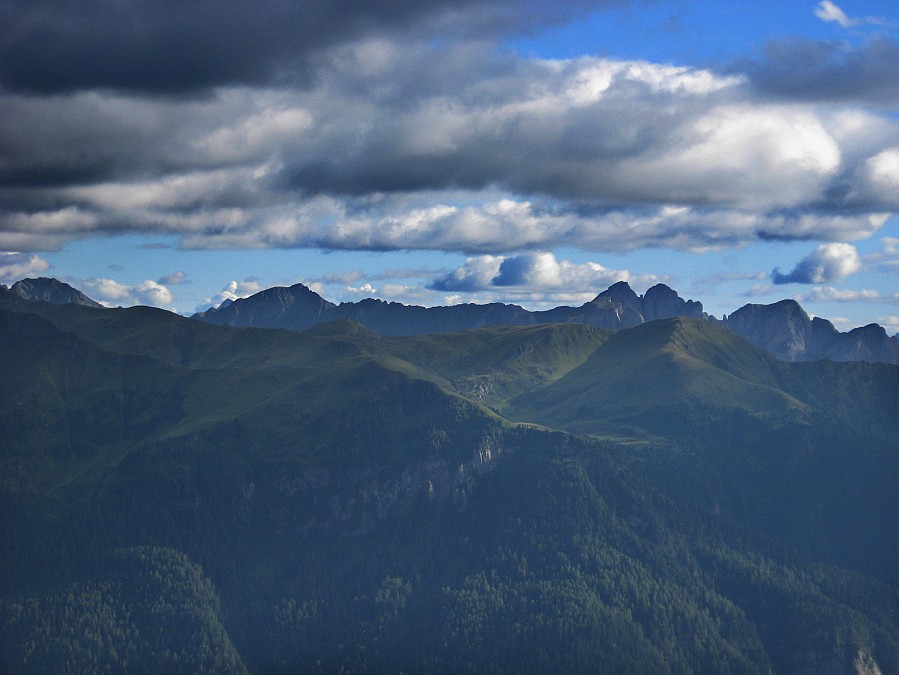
<point x="782" y="328"/>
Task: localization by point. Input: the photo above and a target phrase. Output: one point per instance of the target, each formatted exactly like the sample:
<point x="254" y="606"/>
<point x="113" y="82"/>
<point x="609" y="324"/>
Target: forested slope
<point x="185" y="497"/>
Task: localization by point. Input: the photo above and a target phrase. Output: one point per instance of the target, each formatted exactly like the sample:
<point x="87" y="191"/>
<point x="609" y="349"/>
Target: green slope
<point x="492" y="365"/>
<point x="661" y="377"/>
<point x="362" y="503"/>
<point x="71" y="407"/>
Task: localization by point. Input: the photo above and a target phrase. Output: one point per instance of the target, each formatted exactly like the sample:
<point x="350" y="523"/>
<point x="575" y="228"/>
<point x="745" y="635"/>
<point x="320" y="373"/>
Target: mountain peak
<point x="295" y="307"/>
<point x="54" y="291"/>
<point x="620" y="292"/>
<point x="663" y="302"/>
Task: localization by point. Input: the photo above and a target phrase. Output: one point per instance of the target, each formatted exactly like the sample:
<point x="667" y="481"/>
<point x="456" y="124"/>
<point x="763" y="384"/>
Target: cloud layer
<point x="183" y="48"/>
<point x="347" y="126"/>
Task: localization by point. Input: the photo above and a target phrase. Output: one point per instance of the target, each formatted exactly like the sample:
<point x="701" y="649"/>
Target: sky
<point x="179" y="154"/>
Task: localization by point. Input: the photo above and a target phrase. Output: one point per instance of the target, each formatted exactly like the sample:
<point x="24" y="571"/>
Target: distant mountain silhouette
<point x="298" y="308"/>
<point x="44" y="289"/>
<point x="783" y="328"/>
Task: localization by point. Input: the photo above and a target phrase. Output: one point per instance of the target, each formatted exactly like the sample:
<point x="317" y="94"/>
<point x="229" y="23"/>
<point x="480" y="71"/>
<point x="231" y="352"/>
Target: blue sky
<point x="440" y="152"/>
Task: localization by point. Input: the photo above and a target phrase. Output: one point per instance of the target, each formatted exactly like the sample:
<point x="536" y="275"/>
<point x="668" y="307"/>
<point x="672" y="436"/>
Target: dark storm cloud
<point x="402" y="143"/>
<point x="178" y="47"/>
<point x="809" y="70"/>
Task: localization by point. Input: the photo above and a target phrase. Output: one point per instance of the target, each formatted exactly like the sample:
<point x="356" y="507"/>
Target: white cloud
<point x="365" y="290"/>
<point x="454" y="149"/>
<point x="831" y="13"/>
<point x="828" y="262"/>
<point x="232" y="291"/>
<point x="831" y="294"/>
<point x="110" y="292"/>
<point x="476" y="274"/>
<point x="747" y="156"/>
<point x="15" y="266"/>
<point x="257" y="134"/>
<point x="880" y="177"/>
<point x="827" y="11"/>
<point x="531" y="274"/>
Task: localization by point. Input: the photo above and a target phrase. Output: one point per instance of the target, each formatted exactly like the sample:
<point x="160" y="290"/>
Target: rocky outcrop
<point x="296" y="308"/>
<point x="784" y="329"/>
<point x="662" y="302"/>
<point x="45" y="289"/>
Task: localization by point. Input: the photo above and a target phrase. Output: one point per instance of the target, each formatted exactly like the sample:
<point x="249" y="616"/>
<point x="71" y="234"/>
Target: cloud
<point x="539" y="270"/>
<point x="173" y="279"/>
<point x="808" y="70"/>
<point x="531" y="273"/>
<point x="831" y="294"/>
<point x="887" y="259"/>
<point x="476" y="274"/>
<point x="15" y="266"/>
<point x="880" y="177"/>
<point x="232" y="291"/>
<point x="111" y="293"/>
<point x="827" y="11"/>
<point x="185" y="48"/>
<point x="828" y="262"/>
<point x="403" y="145"/>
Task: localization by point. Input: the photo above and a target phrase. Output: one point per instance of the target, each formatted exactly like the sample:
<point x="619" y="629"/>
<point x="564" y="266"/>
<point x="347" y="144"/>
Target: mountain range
<point x="177" y="496"/>
<point x="782" y="328"/>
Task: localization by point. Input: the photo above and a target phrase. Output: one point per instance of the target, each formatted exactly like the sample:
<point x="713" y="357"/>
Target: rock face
<point x="53" y="291"/>
<point x="785" y="330"/>
<point x="662" y="302"/>
<point x="295" y="308"/>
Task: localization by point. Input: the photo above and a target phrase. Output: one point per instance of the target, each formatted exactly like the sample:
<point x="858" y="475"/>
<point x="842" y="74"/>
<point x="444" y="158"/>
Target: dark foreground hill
<point x="183" y="497"/>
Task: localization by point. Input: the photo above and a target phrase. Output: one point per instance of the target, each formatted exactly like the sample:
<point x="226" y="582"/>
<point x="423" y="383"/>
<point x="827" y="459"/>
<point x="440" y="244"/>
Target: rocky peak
<point x="785" y="330"/>
<point x="619" y="293"/>
<point x="867" y="343"/>
<point x="296" y="307"/>
<point x="44" y="289"/>
<point x="663" y="302"/>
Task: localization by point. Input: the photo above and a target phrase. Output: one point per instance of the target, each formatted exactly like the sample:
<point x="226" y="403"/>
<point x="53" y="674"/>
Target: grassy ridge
<point x="364" y="502"/>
